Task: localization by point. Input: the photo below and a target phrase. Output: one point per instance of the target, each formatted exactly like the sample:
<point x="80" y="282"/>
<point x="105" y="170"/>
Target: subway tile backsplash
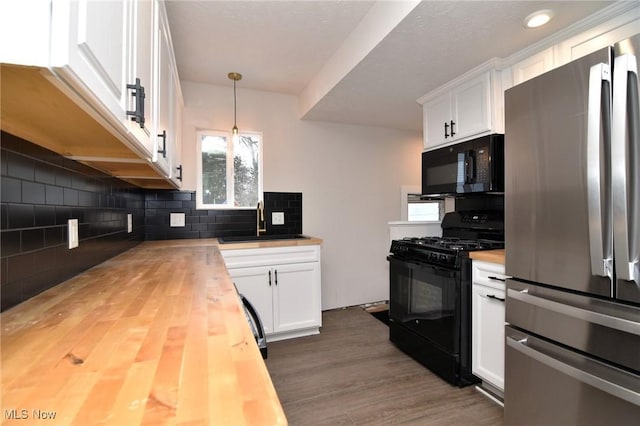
<point x="42" y="190"/>
<point x="198" y="223"/>
<point x="289" y="203"/>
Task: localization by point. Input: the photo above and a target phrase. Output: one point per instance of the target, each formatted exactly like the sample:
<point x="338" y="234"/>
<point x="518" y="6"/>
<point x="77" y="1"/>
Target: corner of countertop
<point x="493" y="256"/>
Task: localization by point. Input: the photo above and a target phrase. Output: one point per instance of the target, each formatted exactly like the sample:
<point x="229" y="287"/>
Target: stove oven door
<point x="425" y="299"/>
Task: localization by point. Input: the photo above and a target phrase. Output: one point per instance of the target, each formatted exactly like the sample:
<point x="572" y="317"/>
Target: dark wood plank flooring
<point x="350" y="374"/>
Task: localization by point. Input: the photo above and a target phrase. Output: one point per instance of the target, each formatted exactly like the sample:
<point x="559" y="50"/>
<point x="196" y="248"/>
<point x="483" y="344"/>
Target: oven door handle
<point x="443" y="272"/>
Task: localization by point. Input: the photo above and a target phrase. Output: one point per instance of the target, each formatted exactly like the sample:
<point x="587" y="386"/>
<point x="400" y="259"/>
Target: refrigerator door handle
<point x="583" y="369"/>
<point x="599" y="107"/>
<point x="625" y="140"/>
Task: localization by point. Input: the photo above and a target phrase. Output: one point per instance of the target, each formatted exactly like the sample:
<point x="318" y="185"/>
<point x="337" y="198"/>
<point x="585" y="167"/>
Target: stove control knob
<point x="443" y="258"/>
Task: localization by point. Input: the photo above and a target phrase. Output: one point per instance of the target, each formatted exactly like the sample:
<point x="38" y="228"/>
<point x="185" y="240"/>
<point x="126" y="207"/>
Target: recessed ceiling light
<point x="539" y="18"/>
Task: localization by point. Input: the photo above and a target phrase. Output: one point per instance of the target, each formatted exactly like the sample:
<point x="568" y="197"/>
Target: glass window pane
<point x="214" y="169"/>
<point x="425" y="211"/>
<point x="246" y="168"/>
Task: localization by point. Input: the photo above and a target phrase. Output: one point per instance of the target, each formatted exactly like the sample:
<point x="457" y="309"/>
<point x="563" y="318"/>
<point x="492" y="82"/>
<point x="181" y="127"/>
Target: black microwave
<point x="473" y="166"/>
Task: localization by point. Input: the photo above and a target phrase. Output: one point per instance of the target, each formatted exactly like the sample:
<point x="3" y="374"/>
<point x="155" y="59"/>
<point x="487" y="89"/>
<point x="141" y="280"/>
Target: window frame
<point x="200" y="205"/>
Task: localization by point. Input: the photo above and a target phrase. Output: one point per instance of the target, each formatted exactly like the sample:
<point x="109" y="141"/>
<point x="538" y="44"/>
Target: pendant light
<point x="235" y="77"/>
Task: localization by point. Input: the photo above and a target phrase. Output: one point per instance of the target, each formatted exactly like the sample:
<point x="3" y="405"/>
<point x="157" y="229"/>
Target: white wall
<point x="350" y="178"/>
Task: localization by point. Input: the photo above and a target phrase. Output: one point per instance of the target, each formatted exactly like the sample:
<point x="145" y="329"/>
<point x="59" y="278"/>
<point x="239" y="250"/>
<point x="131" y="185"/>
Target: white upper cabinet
<point x="620" y="27"/>
<point x="168" y="105"/>
<point x="104" y="51"/>
<point x="176" y="118"/>
<point x="472" y="103"/>
<point x="437" y="117"/>
<point x="613" y="24"/>
<point x="532" y="66"/>
<point x="465" y="108"/>
<point x="115" y="60"/>
<point x="164" y="132"/>
<point x="24" y="30"/>
<point x="89" y="42"/>
<point x="140" y="89"/>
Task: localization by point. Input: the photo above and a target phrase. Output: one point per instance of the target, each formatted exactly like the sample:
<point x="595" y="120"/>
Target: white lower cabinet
<point x="488" y="319"/>
<point x="283" y="284"/>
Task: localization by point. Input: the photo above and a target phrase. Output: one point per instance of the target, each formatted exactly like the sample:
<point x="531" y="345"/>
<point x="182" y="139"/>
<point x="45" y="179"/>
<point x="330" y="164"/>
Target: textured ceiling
<point x="281" y="46"/>
<point x="276" y="45"/>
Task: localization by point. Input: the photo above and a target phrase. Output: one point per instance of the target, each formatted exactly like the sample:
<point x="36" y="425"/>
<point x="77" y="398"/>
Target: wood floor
<point x="351" y="374"/>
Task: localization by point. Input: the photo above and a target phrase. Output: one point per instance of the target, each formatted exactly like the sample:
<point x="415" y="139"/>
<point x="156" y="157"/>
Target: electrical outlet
<point x="73" y="234"/>
<point x="277" y="218"/>
<point x="176" y="220"/>
<point x="129" y="223"/>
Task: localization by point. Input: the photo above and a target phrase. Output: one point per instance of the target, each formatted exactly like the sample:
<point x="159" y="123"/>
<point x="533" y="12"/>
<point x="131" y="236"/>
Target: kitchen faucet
<point x="260" y="218"/>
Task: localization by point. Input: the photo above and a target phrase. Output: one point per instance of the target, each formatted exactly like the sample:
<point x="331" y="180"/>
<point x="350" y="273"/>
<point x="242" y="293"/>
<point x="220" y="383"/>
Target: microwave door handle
<point x="598" y="114"/>
<point x="470" y="166"/>
<point x="625" y="141"/>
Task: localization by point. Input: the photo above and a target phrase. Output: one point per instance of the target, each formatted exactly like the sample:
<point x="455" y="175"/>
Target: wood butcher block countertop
<point x="153" y="336"/>
<point x="494" y="256"/>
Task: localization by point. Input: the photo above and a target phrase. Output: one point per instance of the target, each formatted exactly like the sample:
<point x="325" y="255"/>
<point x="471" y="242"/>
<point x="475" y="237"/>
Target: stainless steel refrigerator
<point x="572" y="240"/>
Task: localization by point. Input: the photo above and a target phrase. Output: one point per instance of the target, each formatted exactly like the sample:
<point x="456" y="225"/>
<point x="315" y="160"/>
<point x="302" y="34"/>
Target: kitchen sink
<point x="251" y="238"/>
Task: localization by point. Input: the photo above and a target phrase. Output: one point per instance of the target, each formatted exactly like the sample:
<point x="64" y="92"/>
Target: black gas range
<point x="430" y="292"/>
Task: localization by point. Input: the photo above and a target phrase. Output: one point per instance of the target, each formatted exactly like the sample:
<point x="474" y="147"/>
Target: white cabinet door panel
<point x="89" y="48"/>
<point x="487" y="322"/>
<point x="141" y="67"/>
<point x="488" y="334"/>
<point x="436" y="113"/>
<point x="533" y="66"/>
<point x="253" y="283"/>
<point x="472" y="104"/>
<point x="297" y="296"/>
<point x="164" y="133"/>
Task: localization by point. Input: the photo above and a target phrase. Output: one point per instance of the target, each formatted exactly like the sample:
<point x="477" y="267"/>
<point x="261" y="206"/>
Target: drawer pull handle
<point x="491" y="296"/>
<point x="497" y="279"/>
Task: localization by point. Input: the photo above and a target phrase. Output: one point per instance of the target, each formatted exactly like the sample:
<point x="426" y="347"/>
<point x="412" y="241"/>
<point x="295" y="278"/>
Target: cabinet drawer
<point x="492" y="293"/>
<point x="241" y="258"/>
<point x="489" y="274"/>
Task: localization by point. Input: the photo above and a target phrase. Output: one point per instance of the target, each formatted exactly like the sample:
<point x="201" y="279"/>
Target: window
<point x="229" y="170"/>
<point x="424" y="210"/>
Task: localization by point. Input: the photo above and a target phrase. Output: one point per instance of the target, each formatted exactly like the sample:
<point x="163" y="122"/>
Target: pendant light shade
<point x="235" y="77"/>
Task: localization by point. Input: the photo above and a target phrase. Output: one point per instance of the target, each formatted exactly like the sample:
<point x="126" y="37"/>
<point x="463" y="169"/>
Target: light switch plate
<point x="129" y="223"/>
<point x="73" y="234"/>
<point x="177" y="220"/>
<point x="277" y="218"/>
